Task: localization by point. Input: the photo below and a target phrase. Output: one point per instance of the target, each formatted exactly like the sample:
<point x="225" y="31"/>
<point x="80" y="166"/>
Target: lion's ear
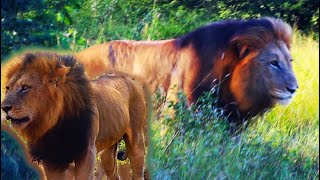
<point x="61" y="74"/>
<point x="242" y="47"/>
<point x="243" y="50"/>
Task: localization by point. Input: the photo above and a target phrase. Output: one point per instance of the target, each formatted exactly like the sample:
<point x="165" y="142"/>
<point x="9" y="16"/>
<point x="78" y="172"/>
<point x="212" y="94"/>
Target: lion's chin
<point x="19" y="123"/>
<point x="282" y="101"/>
<point x="281" y="97"/>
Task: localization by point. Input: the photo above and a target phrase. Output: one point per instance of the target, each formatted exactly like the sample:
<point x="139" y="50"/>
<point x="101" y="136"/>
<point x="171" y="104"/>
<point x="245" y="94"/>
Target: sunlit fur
<point x="49" y="85"/>
<point x="72" y="118"/>
<point x="234" y="55"/>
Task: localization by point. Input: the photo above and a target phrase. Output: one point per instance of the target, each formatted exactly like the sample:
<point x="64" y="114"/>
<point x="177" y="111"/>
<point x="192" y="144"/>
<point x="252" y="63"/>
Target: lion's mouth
<point x="18" y="121"/>
<point x="281" y="98"/>
<point x="280" y="95"/>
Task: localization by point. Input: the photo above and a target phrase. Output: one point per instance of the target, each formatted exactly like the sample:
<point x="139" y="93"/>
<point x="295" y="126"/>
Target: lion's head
<point x="249" y="60"/>
<point x="31" y="91"/>
<point x="48" y="98"/>
<point x="262" y="75"/>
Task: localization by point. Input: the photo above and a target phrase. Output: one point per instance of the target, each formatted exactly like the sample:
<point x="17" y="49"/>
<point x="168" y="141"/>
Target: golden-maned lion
<point x="249" y="61"/>
<point x="65" y="118"/>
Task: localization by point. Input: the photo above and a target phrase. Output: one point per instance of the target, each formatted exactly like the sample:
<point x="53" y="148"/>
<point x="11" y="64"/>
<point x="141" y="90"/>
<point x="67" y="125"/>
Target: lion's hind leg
<point x="136" y="151"/>
<point x="109" y="162"/>
<point x="135" y="136"/>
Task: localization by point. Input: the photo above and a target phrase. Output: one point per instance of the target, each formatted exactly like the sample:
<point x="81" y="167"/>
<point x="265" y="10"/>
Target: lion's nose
<point x="6" y="108"/>
<point x="292" y="89"/>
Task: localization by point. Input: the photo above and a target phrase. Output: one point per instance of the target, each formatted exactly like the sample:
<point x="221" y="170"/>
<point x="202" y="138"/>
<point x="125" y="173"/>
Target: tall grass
<point x="283" y="144"/>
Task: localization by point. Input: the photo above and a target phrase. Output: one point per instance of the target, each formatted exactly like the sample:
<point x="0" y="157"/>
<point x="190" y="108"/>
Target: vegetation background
<point x="283" y="144"/>
<point x="76" y="24"/>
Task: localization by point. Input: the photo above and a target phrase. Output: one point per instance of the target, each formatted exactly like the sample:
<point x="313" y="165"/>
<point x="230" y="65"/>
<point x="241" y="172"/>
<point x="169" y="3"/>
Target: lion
<point x="66" y="119"/>
<point x="247" y="61"/>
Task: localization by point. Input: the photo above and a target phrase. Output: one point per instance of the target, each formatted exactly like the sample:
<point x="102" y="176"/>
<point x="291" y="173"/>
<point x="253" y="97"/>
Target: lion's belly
<point x="110" y="132"/>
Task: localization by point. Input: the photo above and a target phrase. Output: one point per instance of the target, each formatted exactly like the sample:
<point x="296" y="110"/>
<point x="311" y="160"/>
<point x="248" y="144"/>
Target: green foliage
<point x="130" y="19"/>
<point x="177" y="141"/>
<point x="25" y="22"/>
<point x="195" y="143"/>
<point x="77" y="24"/>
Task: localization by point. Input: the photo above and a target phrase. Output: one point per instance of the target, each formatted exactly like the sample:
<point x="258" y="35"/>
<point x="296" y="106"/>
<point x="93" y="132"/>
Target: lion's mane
<point x="68" y="138"/>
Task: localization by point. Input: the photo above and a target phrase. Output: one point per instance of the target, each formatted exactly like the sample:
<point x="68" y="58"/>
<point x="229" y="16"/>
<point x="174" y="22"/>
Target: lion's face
<point x="32" y="97"/>
<point x="264" y="77"/>
<point x="22" y="99"/>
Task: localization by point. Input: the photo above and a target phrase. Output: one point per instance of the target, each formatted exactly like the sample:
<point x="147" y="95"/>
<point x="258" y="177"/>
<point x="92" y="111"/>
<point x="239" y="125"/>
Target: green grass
<point x="283" y="144"/>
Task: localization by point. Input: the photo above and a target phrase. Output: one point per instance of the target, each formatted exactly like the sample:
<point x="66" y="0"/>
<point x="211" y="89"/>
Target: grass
<point x="283" y="144"/>
<point x="14" y="164"/>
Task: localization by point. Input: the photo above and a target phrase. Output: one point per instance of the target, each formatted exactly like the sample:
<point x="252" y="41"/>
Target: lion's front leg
<point x="54" y="174"/>
<point x="84" y="169"/>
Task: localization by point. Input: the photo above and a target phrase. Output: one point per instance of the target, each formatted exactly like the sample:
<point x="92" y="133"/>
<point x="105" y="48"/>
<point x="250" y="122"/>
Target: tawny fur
<point x="114" y="107"/>
<point x="198" y="61"/>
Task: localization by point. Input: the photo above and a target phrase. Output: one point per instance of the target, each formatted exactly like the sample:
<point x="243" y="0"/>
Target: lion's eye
<point x="275" y="64"/>
<point x="24" y="88"/>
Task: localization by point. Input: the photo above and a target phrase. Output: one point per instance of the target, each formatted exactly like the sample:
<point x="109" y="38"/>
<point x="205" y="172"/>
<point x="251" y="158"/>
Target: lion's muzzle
<point x="6" y="108"/>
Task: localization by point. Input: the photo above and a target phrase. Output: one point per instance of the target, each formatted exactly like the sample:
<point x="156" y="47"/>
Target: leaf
<point x="59" y="17"/>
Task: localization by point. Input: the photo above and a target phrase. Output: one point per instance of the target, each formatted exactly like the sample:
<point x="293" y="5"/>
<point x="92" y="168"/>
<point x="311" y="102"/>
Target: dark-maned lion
<point x="65" y="118"/>
<point x="248" y="59"/>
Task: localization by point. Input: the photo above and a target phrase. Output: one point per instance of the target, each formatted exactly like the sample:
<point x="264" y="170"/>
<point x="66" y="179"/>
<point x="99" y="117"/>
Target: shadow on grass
<point x="14" y="164"/>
